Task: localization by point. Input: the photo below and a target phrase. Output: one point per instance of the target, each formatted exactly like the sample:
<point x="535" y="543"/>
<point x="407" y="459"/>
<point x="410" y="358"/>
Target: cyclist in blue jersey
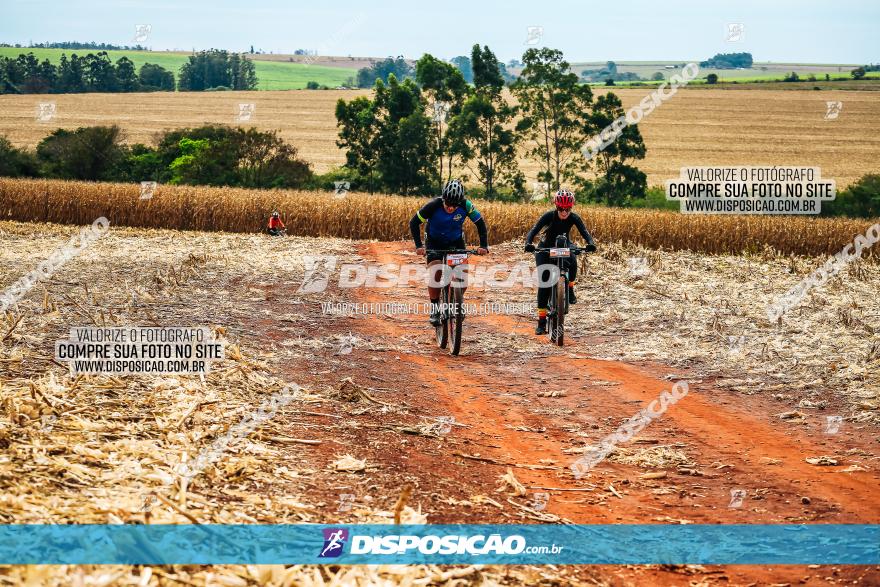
<point x="445" y="231"/>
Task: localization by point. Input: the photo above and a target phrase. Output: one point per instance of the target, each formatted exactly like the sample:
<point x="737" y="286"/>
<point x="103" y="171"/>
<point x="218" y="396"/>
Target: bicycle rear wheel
<point x="442" y="329"/>
<point x="457" y="319"/>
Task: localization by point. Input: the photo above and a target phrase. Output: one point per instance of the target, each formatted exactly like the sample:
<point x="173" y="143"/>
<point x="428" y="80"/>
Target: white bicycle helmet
<point x="453" y="193"/>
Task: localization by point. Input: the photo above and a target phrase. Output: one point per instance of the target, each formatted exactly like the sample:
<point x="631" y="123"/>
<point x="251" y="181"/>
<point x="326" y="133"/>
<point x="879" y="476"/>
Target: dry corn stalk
<point x="383" y="217"/>
<point x="510" y="480"/>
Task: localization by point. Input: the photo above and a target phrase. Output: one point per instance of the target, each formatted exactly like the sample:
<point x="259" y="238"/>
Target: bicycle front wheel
<point x="557" y="332"/>
<point x="456" y="322"/>
<point x="442" y="329"/>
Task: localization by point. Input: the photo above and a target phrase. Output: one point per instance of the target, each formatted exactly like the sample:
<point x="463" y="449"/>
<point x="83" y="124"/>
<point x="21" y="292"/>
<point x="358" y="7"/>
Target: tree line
<point x="79" y="45"/>
<point x="397" y="66"/>
<point x="216" y="69"/>
<point x="212" y="155"/>
<point x="413" y="134"/>
<point x="25" y="74"/>
<point x="609" y="72"/>
<point x="728" y="61"/>
<point x="96" y="72"/>
<point x="217" y="155"/>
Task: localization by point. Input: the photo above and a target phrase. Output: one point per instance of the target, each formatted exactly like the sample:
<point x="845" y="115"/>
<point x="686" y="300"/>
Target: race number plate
<point x="456" y="259"/>
<point x="560" y="252"/>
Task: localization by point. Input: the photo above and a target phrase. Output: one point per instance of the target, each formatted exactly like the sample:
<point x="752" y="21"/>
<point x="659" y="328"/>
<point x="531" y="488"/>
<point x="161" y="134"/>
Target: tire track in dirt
<point x="492" y="393"/>
<point x="737" y="436"/>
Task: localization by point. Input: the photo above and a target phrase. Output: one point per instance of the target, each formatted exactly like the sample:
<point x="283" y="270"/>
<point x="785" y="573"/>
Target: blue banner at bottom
<point x="747" y="544"/>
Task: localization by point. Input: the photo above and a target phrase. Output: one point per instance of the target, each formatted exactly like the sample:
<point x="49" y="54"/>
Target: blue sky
<point x="808" y="31"/>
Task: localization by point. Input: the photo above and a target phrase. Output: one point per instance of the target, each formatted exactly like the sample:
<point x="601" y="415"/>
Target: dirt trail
<point x="507" y="417"/>
<point x="749" y="447"/>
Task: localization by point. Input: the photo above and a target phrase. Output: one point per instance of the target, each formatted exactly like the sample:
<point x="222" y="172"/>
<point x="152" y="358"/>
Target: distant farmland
<point x="292" y="72"/>
<point x="759" y="71"/>
<point x="272" y="74"/>
<point x="704" y="126"/>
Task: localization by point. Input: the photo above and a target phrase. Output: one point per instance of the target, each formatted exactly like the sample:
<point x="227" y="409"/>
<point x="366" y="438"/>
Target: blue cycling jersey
<point x="443" y="226"/>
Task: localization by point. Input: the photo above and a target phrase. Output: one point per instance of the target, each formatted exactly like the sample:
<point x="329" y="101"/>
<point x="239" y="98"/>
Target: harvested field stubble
<point x="707" y="315"/>
<point x="363" y="216"/>
<point x="98" y="449"/>
<point x="107" y="450"/>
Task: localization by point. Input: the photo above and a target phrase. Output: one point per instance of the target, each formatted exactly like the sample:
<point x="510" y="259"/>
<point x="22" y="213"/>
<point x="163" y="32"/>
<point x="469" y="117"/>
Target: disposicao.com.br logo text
<point x="394" y="544"/>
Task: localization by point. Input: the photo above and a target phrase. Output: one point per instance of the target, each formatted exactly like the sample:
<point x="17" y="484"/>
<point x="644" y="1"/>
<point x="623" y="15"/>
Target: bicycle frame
<point x="557" y="307"/>
<point x="451" y="303"/>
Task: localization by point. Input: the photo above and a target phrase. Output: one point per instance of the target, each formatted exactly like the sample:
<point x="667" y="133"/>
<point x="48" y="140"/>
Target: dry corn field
<point x="381" y="217"/>
<point x="694" y="127"/>
<point x="102" y="449"/>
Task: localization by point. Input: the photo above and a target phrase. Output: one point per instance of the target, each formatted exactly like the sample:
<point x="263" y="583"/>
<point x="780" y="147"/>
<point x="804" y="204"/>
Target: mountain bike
<point x="451" y="301"/>
<point x="557" y="307"/>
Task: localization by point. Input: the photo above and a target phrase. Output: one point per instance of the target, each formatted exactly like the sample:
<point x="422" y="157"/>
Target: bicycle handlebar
<point x="575" y="250"/>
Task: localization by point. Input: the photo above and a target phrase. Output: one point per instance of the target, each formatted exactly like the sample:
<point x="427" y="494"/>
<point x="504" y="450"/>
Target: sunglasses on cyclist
<point x="558" y="209"/>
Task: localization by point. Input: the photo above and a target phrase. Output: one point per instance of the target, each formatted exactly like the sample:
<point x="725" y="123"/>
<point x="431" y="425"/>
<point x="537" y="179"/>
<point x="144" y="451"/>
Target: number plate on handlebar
<point x="456" y="259"/>
<point x="560" y="252"/>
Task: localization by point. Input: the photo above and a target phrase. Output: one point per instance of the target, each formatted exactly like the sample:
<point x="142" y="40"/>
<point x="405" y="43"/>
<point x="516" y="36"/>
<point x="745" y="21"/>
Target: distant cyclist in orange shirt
<point x="276" y="227"/>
